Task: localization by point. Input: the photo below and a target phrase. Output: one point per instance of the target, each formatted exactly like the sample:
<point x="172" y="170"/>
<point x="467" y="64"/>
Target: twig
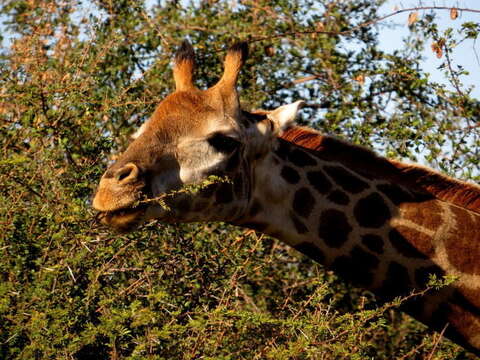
<point x="366" y="23"/>
<point x="28" y="187"/>
<point x="452" y="73"/>
<point x="71" y="273"/>
<point x="437" y="342"/>
<point x="186" y="189"/>
<point x="475" y="51"/>
<point x="302" y="80"/>
<point x="409" y="354"/>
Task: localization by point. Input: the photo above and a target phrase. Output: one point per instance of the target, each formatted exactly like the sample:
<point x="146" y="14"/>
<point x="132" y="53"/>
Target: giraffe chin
<point x="123" y="220"/>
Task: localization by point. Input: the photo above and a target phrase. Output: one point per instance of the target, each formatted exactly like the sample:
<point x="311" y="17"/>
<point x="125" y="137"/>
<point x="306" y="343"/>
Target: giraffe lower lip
<point x="122" y="212"/>
<point x="122" y="219"/>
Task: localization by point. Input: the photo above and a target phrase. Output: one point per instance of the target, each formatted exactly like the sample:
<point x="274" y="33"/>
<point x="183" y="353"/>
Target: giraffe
<point x="380" y="224"/>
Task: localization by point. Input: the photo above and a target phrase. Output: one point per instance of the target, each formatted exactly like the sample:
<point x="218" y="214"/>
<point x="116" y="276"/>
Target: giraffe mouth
<point x="123" y="219"/>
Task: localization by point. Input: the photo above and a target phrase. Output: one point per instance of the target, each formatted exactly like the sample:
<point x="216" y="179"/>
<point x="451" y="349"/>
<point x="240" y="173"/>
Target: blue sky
<point x="464" y="54"/>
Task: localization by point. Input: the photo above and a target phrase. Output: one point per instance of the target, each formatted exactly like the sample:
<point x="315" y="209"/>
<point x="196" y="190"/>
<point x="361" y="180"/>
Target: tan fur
<point x="184" y="66"/>
<point x="183" y="74"/>
<point x="365" y="161"/>
<point x="233" y="63"/>
<point x="180" y="112"/>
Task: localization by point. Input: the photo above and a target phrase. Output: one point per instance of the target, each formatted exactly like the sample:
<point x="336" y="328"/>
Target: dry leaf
<point x="437" y="47"/>
<point x="360" y="79"/>
<point x="453" y="13"/>
<point x="269" y="50"/>
<point x="412" y="17"/>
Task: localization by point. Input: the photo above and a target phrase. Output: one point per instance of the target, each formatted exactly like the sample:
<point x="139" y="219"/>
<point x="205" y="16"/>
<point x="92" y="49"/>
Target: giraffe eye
<point x="223" y="143"/>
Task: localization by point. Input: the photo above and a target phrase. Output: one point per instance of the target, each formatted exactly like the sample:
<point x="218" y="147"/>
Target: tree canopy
<point x="78" y="77"/>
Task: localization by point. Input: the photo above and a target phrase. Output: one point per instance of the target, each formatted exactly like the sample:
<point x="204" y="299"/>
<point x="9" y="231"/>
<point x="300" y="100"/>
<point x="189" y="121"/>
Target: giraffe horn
<point x="184" y="65"/>
<point x="225" y="90"/>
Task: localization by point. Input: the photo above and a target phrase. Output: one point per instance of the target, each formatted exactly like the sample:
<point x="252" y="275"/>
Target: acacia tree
<point x="76" y="78"/>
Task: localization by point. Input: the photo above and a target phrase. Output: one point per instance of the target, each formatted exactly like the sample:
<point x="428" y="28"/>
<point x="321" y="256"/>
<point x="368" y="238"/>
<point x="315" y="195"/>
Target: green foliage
<point x="76" y="78"/>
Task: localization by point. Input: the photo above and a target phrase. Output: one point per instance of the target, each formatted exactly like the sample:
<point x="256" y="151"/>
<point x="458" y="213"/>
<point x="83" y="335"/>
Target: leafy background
<point x="77" y="77"/>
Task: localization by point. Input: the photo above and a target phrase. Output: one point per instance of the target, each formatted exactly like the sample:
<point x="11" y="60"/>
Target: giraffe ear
<point x="284" y="116"/>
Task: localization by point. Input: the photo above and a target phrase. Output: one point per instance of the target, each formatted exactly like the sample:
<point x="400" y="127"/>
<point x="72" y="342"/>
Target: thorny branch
<point x="366" y="23"/>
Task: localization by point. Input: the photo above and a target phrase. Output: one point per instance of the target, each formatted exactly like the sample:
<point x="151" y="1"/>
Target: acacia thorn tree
<point x="78" y="77"/>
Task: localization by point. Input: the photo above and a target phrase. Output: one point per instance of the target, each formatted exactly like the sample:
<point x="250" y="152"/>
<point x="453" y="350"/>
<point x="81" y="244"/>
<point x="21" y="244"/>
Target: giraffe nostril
<point x="128" y="173"/>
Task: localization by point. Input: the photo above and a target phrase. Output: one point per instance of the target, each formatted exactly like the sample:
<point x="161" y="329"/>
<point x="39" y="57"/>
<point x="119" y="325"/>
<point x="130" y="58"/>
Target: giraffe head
<point x="192" y="135"/>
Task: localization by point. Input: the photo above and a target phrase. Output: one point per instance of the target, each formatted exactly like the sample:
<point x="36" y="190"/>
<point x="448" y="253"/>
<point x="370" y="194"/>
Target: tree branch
<point x="364" y="24"/>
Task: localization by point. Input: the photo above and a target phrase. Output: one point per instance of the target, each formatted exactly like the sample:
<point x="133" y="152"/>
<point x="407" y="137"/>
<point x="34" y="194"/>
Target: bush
<point x="77" y="77"/>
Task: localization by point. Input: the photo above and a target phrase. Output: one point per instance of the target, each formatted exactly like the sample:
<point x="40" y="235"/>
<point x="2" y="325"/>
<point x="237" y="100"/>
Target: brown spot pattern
<point x="364" y="265"/>
<point x="283" y="149"/>
<point x="411" y="243"/>
<point x="425" y="213"/>
<point x="334" y="228"/>
<point x="471" y="296"/>
<point x="319" y="181"/>
<point x="290" y="175"/>
<point x="371" y="211"/>
<point x="358" y="267"/>
<point x="338" y="197"/>
<point x="397" y="281"/>
<point x="301" y="158"/>
<point x="311" y="251"/>
<point x="366" y="162"/>
<point x="299" y="225"/>
<point x="341" y="265"/>
<point x="419" y="243"/>
<point x="463" y="247"/>
<point x="373" y="243"/>
<point x="303" y="202"/>
<point x="395" y="193"/>
<point x="461" y="323"/>
<point x="346" y="179"/>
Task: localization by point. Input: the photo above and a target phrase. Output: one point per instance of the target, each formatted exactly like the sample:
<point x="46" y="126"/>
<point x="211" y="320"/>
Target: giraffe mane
<point x="366" y="162"/>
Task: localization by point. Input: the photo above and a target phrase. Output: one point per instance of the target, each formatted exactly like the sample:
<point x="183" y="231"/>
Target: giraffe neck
<point x="375" y="232"/>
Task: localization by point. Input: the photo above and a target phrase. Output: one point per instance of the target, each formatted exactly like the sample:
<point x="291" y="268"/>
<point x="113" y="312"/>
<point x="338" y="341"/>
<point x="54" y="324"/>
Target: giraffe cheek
<point x="165" y="182"/>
